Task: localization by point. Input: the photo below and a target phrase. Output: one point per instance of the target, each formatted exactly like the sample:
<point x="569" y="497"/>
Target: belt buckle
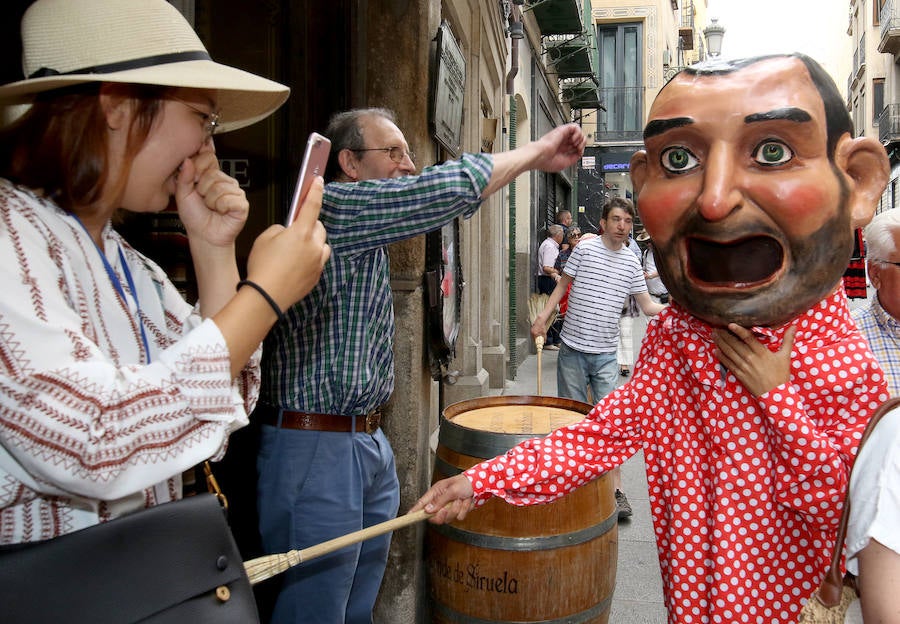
<point x="373" y="420"/>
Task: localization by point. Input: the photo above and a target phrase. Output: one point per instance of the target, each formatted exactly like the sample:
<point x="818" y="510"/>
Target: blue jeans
<point x="575" y="370"/>
<point x="315" y="486"/>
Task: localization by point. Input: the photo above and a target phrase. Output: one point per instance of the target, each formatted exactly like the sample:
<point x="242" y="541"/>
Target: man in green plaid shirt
<point x="325" y="467"/>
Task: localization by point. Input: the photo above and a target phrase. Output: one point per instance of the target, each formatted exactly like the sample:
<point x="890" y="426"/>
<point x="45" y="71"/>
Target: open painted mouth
<point x="741" y="263"/>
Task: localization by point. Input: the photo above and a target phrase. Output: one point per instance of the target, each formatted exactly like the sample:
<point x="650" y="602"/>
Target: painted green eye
<point x="678" y="159"/>
<point x="772" y="153"/>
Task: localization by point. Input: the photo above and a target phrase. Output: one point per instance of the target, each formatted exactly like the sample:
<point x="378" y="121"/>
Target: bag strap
<point x="213" y="486"/>
<point x="833" y="583"/>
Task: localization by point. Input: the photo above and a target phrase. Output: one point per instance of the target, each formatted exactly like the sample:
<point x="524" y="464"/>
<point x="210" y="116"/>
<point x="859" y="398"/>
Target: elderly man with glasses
<point x="879" y="321"/>
<point x="325" y="466"/>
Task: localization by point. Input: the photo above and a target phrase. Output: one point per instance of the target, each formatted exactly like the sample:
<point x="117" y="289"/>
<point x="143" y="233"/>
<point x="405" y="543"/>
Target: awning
<point x="557" y="17"/>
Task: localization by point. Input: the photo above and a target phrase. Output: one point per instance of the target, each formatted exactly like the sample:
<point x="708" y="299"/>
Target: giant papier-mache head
<point x="751" y="184"/>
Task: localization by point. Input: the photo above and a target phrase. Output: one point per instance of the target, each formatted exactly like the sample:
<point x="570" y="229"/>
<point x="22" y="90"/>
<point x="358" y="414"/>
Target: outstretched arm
<point x="541" y="469"/>
<point x="448" y="499"/>
<point x="647" y="305"/>
<point x="556" y="150"/>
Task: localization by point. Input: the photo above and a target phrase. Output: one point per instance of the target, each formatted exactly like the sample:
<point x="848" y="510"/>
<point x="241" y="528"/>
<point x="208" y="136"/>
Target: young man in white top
<point x="603" y="272"/>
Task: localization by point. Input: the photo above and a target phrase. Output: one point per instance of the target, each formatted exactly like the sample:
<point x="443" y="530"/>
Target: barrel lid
<point x="490" y="426"/>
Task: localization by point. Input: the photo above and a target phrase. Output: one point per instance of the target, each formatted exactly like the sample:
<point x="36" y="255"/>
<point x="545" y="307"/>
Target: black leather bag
<point x="175" y="563"/>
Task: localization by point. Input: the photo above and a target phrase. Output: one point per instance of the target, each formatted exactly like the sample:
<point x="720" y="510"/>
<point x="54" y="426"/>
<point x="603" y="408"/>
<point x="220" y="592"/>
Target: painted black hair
<point x="837" y="118"/>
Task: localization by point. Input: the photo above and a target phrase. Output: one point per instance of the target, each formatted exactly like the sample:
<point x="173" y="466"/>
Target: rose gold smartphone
<point x="314" y="161"/>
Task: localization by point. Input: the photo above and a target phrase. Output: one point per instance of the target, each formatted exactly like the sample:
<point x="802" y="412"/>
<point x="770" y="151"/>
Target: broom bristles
<point x="814" y="612"/>
<point x="267" y="566"/>
<point x="536" y="303"/>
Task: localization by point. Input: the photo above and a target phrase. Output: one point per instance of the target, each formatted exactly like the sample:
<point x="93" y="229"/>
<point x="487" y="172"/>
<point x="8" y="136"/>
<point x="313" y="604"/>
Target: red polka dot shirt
<point x="746" y="492"/>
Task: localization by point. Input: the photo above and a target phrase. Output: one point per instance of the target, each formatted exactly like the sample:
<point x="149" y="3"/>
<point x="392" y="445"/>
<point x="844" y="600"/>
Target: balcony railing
<point x="862" y="50"/>
<point x="859" y="58"/>
<point x="890" y="28"/>
<point x="582" y="93"/>
<point x="889" y="125"/>
<point x="618" y="136"/>
<point x="572" y="56"/>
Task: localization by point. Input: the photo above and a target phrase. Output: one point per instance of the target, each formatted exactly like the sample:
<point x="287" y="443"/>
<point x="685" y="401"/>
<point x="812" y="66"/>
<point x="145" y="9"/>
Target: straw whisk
<point x="267" y="566"/>
<point x="536" y="304"/>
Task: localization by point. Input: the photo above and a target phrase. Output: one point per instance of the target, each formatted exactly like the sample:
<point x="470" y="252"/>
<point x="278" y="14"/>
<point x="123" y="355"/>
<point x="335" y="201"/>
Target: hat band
<point x="147" y="61"/>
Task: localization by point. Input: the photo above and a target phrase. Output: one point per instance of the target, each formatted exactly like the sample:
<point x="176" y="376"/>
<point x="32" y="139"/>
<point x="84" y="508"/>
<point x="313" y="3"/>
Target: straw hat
<point x="642" y="236"/>
<point x="69" y="42"/>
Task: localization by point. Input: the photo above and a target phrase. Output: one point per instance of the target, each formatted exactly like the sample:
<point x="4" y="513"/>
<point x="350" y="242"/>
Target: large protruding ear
<point x="347" y="161"/>
<point x="638" y="170"/>
<point x="866" y="164"/>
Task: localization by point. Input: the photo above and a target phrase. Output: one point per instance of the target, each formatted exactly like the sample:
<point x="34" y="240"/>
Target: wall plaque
<point x="448" y="89"/>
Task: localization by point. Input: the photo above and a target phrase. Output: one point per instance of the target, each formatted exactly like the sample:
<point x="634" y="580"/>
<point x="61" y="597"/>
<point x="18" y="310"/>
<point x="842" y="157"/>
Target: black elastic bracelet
<point x="265" y="295"/>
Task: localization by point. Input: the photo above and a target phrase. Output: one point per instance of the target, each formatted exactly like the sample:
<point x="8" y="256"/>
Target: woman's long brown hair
<point x="60" y="145"/>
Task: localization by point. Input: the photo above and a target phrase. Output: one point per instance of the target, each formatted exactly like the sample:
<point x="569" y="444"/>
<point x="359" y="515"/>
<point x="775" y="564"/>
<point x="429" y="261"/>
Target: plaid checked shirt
<point x="882" y="331"/>
<point x="333" y="353"/>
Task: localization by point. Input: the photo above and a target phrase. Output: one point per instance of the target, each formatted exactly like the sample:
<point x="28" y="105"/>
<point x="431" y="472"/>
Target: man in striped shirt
<point x="880" y="320"/>
<point x="325" y="466"/>
<point x="603" y="272"/>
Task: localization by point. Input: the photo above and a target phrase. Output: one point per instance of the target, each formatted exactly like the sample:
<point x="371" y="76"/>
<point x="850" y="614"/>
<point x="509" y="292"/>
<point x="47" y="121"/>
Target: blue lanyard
<point x="117" y="284"/>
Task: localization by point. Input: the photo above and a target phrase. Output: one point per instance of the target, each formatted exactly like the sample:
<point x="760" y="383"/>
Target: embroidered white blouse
<point x="90" y="426"/>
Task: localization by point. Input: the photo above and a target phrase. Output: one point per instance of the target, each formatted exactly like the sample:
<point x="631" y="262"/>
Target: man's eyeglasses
<point x="395" y="153"/>
<point x="210" y="120"/>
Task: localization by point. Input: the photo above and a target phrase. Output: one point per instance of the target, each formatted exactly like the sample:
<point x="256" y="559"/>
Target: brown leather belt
<point x="308" y="421"/>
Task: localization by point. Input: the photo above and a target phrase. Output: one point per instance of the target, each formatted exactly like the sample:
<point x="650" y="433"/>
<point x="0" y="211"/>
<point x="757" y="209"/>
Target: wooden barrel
<point x="504" y="563"/>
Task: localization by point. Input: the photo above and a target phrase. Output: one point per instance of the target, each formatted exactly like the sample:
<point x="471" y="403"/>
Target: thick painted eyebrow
<point x="789" y="113"/>
<point x="658" y="126"/>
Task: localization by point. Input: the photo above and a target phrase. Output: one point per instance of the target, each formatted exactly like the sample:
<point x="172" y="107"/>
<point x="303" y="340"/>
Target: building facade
<point x="640" y="45"/>
<point x="882" y="20"/>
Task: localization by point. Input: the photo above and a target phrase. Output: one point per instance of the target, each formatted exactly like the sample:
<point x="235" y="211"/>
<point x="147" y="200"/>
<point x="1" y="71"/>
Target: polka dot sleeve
<point x="543" y="469"/>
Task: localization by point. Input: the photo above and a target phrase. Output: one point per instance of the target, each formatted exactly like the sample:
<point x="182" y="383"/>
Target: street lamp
<point x="714" y="34"/>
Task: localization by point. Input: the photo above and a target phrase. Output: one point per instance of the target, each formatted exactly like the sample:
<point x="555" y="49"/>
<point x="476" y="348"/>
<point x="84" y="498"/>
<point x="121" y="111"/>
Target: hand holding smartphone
<point x="315" y="158"/>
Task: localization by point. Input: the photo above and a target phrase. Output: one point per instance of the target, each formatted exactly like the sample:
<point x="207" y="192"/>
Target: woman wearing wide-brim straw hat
<point x="111" y="384"/>
<point x="68" y="43"/>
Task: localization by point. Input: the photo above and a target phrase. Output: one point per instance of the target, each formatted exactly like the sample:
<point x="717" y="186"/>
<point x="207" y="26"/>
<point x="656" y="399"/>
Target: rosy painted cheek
<point x="661" y="210"/>
<point x="799" y="209"/>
